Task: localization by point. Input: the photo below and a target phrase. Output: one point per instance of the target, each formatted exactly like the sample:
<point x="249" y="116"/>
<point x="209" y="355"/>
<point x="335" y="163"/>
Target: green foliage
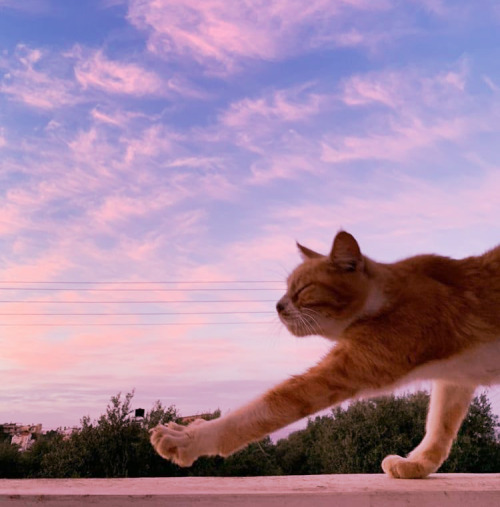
<point x="159" y="415"/>
<point x="4" y="437"/>
<point x="352" y="439"/>
<point x="114" y="446"/>
<point x="355" y="439"/>
<point x="256" y="459"/>
<point x="10" y="461"/>
<point x="477" y="448"/>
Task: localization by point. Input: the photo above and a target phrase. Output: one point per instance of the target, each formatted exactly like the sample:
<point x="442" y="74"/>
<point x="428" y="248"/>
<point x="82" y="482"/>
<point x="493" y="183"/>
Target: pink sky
<point x="145" y="141"/>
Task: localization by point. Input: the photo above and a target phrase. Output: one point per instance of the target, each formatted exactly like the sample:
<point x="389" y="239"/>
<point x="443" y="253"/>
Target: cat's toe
<point x="173" y="442"/>
<point x="403" y="468"/>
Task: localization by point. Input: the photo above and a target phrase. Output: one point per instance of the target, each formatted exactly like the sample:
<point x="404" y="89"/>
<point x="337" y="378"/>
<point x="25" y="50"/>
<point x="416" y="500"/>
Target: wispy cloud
<point x="287" y="105"/>
<point x="421" y="110"/>
<point x="411" y="87"/>
<point x="400" y="143"/>
<point x="36" y="87"/>
<point x="221" y="35"/>
<point x="413" y="212"/>
<point x="93" y="69"/>
<point x="111" y="76"/>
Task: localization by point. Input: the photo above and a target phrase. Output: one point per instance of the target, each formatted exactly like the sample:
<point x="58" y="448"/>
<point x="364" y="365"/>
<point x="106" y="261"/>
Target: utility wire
<point x="145" y="282"/>
<point x="137" y="324"/>
<point x="134" y="290"/>
<point x="35" y="286"/>
<point x="112" y="314"/>
<point x="153" y="301"/>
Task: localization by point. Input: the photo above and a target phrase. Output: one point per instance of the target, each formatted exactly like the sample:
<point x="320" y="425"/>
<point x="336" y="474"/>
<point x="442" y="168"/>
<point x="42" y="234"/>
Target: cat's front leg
<point x="184" y="444"/>
<point x="339" y="376"/>
<point x="448" y="407"/>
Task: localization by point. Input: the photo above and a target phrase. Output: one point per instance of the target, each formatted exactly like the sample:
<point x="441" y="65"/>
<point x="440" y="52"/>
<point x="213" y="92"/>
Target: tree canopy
<point x="351" y="439"/>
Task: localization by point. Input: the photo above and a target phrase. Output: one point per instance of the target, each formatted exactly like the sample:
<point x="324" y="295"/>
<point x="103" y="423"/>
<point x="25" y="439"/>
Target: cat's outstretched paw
<point x="404" y="468"/>
<point x="180" y="444"/>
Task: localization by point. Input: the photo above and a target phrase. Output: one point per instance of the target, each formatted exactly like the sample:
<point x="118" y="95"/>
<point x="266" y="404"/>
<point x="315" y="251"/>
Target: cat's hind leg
<point x="447" y="409"/>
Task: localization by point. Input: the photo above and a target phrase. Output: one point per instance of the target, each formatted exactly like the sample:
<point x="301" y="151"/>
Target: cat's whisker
<point x="310" y="317"/>
<point x="307" y="324"/>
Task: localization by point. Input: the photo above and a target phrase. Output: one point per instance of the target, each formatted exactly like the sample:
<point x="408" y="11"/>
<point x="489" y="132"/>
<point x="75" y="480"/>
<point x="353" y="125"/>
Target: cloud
<point x="154" y="141"/>
<point x="39" y="79"/>
<point x="399" y="112"/>
<point x="30" y="79"/>
<point x="221" y="35"/>
<point x="397" y="145"/>
<point x="116" y="118"/>
<point x="273" y="129"/>
<point x="97" y="71"/>
<point x="286" y="105"/>
<point x="401" y="214"/>
<point x="406" y="110"/>
<point x="492" y="85"/>
<point x="124" y="194"/>
<point x="48" y="265"/>
<point x="409" y="87"/>
<point x="293" y="164"/>
<point x="360" y="90"/>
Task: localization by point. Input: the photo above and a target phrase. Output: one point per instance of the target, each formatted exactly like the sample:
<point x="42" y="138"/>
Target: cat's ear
<point x="307" y="253"/>
<point x="346" y="253"/>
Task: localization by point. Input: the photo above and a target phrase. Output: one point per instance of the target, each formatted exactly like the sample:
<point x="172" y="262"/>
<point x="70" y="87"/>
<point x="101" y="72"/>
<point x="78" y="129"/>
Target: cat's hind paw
<point x="404" y="468"/>
<point x="176" y="443"/>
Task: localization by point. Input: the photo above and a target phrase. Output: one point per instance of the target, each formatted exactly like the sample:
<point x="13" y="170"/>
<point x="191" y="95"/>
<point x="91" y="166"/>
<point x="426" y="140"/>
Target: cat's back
<point x="472" y="283"/>
<point x="470" y="274"/>
<point x="487" y="285"/>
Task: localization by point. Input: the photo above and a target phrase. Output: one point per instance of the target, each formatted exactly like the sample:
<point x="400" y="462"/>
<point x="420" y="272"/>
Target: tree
<point x="352" y="439"/>
<point x="357" y="438"/>
<point x="292" y="453"/>
<point x="115" y="445"/>
<point x="256" y="459"/>
<point x="477" y="448"/>
<point x="32" y="458"/>
<point x="10" y="461"/>
<point x="148" y="463"/>
<point x="160" y="415"/>
<point x="4" y="436"/>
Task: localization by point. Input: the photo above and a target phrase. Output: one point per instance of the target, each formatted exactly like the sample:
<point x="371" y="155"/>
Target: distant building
<point x="22" y="435"/>
<point x="190" y="418"/>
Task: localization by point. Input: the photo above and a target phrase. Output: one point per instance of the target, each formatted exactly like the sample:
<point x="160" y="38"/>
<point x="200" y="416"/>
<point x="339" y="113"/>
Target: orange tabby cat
<point x="426" y="317"/>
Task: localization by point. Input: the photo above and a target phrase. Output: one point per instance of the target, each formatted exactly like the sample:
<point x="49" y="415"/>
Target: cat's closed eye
<point x="296" y="294"/>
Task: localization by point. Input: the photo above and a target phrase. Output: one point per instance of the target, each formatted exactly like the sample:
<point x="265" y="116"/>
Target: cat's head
<point x="326" y="293"/>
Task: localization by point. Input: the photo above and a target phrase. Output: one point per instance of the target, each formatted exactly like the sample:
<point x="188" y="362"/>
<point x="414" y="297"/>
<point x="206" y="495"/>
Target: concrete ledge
<point x="443" y="490"/>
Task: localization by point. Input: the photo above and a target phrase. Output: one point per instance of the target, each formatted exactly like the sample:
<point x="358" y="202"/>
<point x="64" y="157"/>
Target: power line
<point x="34" y="286"/>
<point x="107" y="314"/>
<point x="136" y="290"/>
<point x="145" y="282"/>
<point x="153" y="301"/>
<point x="136" y="324"/>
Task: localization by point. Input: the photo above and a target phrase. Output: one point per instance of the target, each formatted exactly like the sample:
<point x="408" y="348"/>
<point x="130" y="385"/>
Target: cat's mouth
<point x="299" y="323"/>
<point x="301" y="327"/>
